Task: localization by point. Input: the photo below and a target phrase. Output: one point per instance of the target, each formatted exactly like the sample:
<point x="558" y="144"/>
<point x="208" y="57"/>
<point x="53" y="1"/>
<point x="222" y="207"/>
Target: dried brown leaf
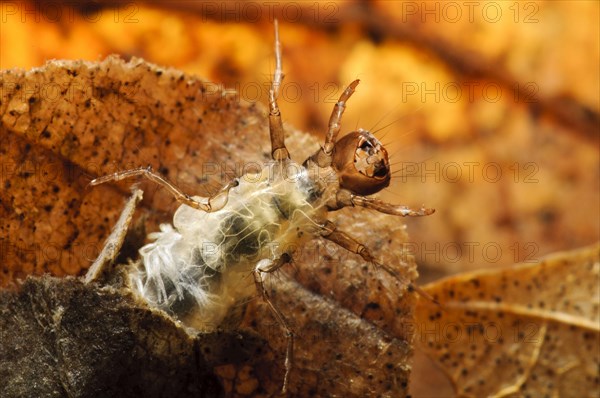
<point x="69" y="122"/>
<point x="531" y="330"/>
<point x="115" y="115"/>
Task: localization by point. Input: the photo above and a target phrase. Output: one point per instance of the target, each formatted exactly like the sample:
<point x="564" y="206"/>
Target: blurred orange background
<point x="489" y="109"/>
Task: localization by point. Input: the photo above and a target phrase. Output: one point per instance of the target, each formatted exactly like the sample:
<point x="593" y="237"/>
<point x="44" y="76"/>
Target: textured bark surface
<point x="63" y="338"/>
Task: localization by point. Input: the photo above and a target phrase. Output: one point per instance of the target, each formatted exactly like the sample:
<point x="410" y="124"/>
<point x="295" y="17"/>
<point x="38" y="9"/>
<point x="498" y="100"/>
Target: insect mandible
<point x="197" y="269"/>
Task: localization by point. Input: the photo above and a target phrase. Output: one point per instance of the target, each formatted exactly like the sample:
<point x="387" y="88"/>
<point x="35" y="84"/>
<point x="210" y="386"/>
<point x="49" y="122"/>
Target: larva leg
<point x="278" y="150"/>
<point x="330" y="232"/>
<point x="260" y="286"/>
<point x="208" y="205"/>
<point x="114" y="242"/>
<point x="346" y="198"/>
<point x="324" y="156"/>
<point x="336" y="117"/>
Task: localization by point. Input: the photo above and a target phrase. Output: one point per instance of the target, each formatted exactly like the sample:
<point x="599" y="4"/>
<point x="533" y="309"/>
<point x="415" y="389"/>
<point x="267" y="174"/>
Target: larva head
<point x="362" y="163"/>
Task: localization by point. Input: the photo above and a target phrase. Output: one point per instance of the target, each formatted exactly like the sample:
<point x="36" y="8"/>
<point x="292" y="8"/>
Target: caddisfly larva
<point x="217" y="250"/>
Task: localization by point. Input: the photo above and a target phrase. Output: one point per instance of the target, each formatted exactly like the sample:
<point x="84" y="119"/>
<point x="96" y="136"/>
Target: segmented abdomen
<point x="201" y="268"/>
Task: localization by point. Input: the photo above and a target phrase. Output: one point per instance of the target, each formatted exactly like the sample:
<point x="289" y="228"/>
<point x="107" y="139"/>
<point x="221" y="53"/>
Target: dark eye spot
<point x="366" y="145"/>
<point x="381" y="170"/>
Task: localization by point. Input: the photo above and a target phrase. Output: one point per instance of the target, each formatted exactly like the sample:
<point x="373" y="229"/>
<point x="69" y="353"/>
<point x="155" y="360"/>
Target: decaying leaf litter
<point x="370" y="310"/>
<point x="316" y="277"/>
<point x="528" y="330"/>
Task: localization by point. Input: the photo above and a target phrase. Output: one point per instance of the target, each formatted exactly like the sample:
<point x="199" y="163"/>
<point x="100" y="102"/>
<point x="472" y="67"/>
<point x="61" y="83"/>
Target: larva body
<point x="220" y="247"/>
